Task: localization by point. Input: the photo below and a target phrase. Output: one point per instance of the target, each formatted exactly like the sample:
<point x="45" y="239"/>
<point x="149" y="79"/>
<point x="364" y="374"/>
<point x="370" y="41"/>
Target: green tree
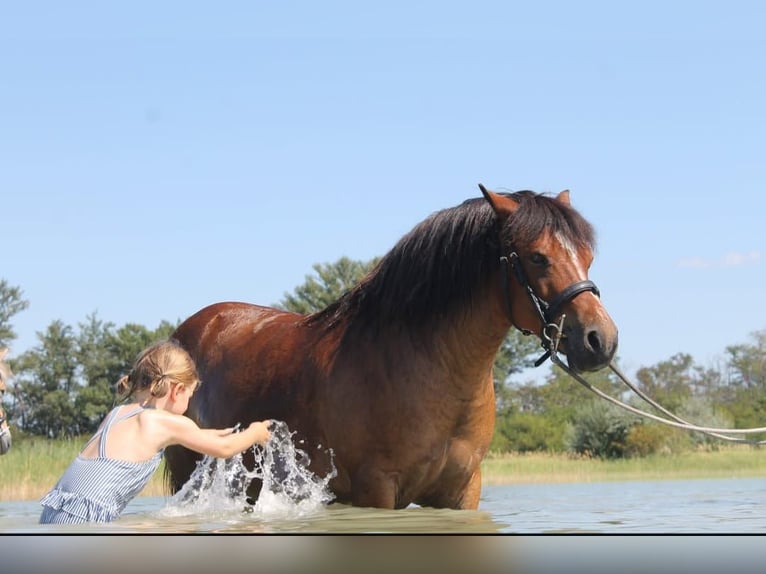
<point x="99" y="368"/>
<point x="11" y="303"/>
<point x="563" y="395"/>
<point x="747" y="363"/>
<point x="104" y="354"/>
<point x="537" y="416"/>
<point x="745" y="398"/>
<point x="130" y="339"/>
<point x="704" y="396"/>
<point x="46" y="383"/>
<point x="517" y="353"/>
<point x="65" y="385"/>
<point x="670" y="383"/>
<point x="331" y="280"/>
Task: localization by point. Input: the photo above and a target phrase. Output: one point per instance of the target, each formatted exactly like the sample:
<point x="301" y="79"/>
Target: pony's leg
<point x="472" y="492"/>
<point x="459" y="484"/>
<point x="371" y="487"/>
<point x="180" y="463"/>
<point x="462" y="496"/>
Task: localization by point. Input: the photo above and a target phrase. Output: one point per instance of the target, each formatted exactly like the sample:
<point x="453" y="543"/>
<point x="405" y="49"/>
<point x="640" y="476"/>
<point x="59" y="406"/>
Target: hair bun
<point x="124" y="386"/>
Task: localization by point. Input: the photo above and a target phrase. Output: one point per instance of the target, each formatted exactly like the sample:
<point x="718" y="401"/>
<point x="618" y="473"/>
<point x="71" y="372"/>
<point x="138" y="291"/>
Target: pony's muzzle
<point x="591" y="348"/>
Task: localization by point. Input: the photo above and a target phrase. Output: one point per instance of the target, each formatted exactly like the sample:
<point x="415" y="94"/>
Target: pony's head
<point x="548" y="247"/>
<point x="5" y="374"/>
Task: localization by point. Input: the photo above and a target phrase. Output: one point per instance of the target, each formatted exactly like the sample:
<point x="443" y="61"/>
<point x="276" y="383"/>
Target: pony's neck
<point x="470" y="339"/>
<point x="460" y="346"/>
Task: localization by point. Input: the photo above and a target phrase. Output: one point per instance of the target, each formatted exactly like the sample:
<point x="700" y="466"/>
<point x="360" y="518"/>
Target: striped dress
<point x="97" y="489"/>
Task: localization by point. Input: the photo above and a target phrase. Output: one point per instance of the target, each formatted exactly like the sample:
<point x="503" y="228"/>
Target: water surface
<point x="295" y="501"/>
<point x="679" y="506"/>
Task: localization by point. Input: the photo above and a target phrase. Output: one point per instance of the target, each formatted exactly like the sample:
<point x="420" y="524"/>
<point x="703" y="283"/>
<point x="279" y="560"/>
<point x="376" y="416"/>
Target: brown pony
<point x="395" y="377"/>
<point x="5" y="375"/>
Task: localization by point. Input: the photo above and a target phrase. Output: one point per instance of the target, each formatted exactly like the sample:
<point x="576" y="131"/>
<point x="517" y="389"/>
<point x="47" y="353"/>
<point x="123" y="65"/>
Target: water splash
<point x="290" y="490"/>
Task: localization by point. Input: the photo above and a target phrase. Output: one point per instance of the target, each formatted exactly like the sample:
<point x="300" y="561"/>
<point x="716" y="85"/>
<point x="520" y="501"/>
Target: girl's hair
<point x="157" y="368"/>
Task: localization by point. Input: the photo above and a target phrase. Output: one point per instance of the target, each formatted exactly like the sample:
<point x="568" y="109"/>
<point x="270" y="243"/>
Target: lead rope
<point x="676" y="421"/>
<point x="551" y="337"/>
<point x="552" y="334"/>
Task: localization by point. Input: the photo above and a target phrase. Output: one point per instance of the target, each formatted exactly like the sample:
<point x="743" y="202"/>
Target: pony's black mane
<point x="444" y="260"/>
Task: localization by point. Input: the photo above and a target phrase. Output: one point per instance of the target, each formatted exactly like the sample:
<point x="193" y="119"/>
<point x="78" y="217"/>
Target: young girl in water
<point x="118" y="461"/>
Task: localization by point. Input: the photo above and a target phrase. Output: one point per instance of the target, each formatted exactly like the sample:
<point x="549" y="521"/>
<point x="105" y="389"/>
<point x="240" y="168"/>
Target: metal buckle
<point x="551" y="340"/>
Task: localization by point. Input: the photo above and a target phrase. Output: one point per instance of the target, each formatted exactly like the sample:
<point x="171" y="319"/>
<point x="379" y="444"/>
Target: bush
<point x="526" y="432"/>
<point x="646" y="439"/>
<point x="601" y="430"/>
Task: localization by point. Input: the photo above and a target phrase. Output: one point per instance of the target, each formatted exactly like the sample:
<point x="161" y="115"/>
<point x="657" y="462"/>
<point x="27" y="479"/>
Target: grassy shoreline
<point x="34" y="465"/>
<point x="534" y="468"/>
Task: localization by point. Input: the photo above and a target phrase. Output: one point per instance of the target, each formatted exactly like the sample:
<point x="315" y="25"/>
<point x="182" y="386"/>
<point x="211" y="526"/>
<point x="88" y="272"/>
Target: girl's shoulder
<point x="161" y="417"/>
<point x="152" y="414"/>
<point x="158" y="427"/>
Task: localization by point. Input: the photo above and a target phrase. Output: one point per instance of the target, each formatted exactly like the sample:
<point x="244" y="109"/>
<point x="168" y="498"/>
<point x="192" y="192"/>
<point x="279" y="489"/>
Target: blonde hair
<point x="157" y="368"/>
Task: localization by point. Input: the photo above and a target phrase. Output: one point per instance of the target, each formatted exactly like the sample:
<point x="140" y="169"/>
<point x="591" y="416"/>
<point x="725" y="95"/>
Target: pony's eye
<point x="538" y="259"/>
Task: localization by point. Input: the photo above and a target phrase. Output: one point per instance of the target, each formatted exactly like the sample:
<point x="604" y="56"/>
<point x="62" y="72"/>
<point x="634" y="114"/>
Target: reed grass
<point x="728" y="462"/>
<point x="34" y="465"/>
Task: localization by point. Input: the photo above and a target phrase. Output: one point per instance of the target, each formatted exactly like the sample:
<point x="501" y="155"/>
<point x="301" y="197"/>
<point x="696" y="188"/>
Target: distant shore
<point x="727" y="462"/>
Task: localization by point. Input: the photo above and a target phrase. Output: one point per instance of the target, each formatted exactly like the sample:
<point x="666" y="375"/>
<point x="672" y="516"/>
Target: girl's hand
<point x="260" y="430"/>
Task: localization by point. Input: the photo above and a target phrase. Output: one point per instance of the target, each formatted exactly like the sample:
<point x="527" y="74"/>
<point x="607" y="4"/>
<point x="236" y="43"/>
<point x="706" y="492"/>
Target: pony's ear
<point x="502" y="204"/>
<point x="563" y="197"/>
<point x="3" y="352"/>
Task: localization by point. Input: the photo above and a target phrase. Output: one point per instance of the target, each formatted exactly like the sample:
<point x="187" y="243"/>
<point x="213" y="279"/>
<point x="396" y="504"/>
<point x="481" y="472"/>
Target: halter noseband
<point x="551" y="333"/>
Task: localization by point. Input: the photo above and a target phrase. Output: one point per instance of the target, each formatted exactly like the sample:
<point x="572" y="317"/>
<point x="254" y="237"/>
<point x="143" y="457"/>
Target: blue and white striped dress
<point x="97" y="489"/>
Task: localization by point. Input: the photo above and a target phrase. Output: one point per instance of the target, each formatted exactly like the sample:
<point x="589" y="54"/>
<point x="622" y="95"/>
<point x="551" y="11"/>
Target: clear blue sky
<point x="156" y="157"/>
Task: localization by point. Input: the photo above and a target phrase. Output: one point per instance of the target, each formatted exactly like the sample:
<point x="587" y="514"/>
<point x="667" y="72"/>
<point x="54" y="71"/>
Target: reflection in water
<point x="335" y="518"/>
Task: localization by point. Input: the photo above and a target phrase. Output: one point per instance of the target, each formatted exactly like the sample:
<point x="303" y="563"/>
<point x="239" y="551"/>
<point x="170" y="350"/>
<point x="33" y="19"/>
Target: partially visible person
<point x="5" y="431"/>
<point x="121" y="457"/>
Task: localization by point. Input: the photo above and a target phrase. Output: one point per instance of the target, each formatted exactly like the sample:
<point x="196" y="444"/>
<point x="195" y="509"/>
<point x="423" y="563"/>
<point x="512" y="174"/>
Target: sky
<point x="156" y="157"/>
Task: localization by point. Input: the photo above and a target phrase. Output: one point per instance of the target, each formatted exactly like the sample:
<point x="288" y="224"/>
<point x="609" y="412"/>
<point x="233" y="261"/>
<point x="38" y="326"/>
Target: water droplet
<point x="289" y="488"/>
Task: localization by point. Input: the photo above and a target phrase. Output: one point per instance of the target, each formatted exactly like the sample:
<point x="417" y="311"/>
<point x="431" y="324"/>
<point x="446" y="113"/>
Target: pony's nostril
<point x="594" y="341"/>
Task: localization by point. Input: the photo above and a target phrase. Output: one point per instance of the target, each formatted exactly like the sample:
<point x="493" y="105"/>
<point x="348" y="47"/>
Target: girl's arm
<point x="220" y="432"/>
<point x="220" y="443"/>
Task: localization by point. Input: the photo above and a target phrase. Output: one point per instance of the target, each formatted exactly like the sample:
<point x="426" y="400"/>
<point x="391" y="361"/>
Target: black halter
<point x="546" y="311"/>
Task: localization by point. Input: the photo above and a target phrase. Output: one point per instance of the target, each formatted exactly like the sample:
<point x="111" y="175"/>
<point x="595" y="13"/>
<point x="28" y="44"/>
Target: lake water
<point x="645" y="507"/>
<point x="508" y="521"/>
<point x="295" y="501"/>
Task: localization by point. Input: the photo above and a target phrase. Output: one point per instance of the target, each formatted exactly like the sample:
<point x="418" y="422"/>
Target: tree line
<point x="65" y="384"/>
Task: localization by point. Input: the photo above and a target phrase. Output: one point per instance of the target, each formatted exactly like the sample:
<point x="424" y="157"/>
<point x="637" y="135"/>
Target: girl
<point x="118" y="461"/>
